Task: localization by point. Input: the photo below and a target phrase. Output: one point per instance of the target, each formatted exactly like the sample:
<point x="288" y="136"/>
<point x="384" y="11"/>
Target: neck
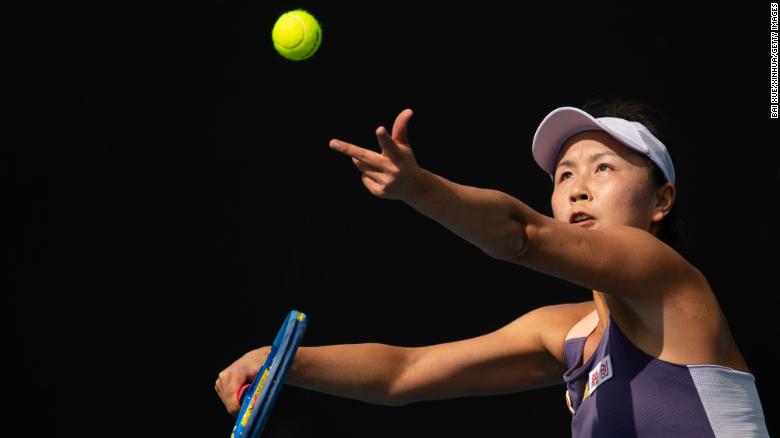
<point x="600" y="299"/>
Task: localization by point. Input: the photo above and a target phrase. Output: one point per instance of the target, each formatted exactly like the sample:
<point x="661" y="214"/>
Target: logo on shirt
<point x="600" y="374"/>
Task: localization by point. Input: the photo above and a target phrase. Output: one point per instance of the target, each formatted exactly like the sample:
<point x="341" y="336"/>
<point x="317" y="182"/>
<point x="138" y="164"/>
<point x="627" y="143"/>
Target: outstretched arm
<point x="513" y="358"/>
<point x="364" y="372"/>
<point x="489" y="219"/>
<point x="620" y="260"/>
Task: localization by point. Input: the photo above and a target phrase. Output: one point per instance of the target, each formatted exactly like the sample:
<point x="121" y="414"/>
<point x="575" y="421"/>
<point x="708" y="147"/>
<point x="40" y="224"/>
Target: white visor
<point x="565" y="122"/>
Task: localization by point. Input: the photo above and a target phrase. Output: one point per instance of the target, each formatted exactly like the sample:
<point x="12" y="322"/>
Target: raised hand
<point x="393" y="174"/>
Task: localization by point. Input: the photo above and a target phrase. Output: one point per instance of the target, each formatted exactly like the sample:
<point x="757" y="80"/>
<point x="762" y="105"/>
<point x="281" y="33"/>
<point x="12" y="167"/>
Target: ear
<point x="665" y="196"/>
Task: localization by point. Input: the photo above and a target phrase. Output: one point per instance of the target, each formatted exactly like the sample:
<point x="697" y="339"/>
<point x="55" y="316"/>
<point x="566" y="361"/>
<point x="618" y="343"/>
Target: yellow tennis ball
<point x="296" y="35"/>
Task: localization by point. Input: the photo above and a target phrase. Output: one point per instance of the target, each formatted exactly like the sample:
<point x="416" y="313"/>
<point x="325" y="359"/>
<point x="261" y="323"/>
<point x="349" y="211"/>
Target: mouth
<point x="582" y="219"/>
<point x="587" y="223"/>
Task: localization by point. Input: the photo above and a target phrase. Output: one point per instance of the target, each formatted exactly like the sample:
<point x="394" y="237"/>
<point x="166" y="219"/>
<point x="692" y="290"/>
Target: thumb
<point x="400" y="127"/>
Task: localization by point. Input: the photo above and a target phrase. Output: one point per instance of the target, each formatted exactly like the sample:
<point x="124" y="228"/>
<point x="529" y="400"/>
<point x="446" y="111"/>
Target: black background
<point x="175" y="196"/>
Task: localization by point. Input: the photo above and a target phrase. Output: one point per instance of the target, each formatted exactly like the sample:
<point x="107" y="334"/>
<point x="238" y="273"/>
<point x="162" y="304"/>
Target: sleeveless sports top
<point x="621" y="391"/>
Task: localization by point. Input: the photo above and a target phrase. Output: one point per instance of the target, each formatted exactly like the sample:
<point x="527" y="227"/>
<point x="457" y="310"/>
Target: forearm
<point x="363" y="372"/>
<point x="489" y="219"/>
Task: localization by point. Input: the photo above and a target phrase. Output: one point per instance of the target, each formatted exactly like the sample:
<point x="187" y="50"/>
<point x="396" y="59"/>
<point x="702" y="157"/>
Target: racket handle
<point x="240" y="393"/>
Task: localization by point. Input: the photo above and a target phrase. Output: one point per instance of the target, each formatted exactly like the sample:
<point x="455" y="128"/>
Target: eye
<point x="563" y="175"/>
<point x="604" y="165"/>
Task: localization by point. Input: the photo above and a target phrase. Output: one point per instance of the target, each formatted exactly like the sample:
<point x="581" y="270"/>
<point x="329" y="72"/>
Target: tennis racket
<point x="258" y="398"/>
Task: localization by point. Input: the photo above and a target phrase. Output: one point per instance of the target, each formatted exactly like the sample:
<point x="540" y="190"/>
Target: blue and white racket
<point x="258" y="401"/>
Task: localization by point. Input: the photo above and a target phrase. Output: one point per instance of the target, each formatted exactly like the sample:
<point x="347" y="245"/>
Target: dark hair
<point x="671" y="227"/>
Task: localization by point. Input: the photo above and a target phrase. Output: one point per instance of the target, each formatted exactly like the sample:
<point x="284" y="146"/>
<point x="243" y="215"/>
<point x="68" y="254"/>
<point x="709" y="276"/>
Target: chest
<point x="591" y="343"/>
<point x="699" y="347"/>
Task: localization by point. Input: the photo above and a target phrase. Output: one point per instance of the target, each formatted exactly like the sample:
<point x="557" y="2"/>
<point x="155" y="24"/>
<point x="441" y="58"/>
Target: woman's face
<point x="599" y="176"/>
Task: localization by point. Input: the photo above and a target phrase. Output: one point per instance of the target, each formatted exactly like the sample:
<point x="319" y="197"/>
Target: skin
<point x="620" y="197"/>
<point x="615" y="189"/>
<point x="392" y="173"/>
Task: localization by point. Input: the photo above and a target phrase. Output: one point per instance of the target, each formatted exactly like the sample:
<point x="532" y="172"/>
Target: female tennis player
<point x="650" y="355"/>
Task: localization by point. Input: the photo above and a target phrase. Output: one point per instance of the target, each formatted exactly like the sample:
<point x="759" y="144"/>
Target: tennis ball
<point x="296" y="35"/>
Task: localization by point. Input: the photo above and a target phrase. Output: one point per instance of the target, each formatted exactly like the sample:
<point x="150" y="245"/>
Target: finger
<point x="389" y="148"/>
<point x="231" y="390"/>
<point x="241" y="391"/>
<point x="230" y="402"/>
<point x="364" y="167"/>
<point x="373" y="187"/>
<point x="233" y="407"/>
<point x="377" y="177"/>
<point x="228" y="387"/>
<point x="400" y="127"/>
<point x="221" y="393"/>
<point x="362" y="154"/>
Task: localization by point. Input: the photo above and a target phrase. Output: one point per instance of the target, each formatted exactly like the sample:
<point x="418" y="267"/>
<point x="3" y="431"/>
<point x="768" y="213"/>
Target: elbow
<point x="516" y="243"/>
<point x="394" y="399"/>
<point x="402" y="399"/>
<point x="399" y="391"/>
<point x="528" y="239"/>
<point x="394" y="402"/>
<point x="525" y="224"/>
<point x="374" y="398"/>
<point x="521" y="243"/>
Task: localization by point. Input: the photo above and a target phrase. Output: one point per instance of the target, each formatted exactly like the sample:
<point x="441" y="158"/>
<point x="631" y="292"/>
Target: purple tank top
<point x="621" y="391"/>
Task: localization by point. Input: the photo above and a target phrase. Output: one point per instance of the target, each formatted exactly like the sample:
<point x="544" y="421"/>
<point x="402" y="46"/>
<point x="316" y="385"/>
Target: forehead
<point x="580" y="147"/>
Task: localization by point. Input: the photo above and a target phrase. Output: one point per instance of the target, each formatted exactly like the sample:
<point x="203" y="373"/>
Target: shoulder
<point x="621" y="260"/>
<point x="555" y="321"/>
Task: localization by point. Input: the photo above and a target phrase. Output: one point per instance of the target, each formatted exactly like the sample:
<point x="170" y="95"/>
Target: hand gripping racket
<point x="259" y="399"/>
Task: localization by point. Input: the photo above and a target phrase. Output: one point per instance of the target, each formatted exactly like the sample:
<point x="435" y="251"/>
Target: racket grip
<point x="240" y="393"/>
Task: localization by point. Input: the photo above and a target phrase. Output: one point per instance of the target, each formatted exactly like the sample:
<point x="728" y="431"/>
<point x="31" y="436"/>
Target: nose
<point x="579" y="193"/>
